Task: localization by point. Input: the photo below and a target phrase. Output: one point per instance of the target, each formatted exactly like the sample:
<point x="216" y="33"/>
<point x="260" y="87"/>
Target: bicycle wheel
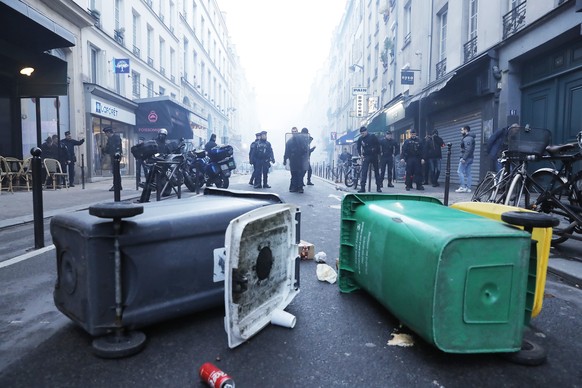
<point x="485" y="189"/>
<point x="546" y="182"/>
<point x="575" y="194"/>
<point x="548" y="192"/>
<point x="349" y="179"/>
<point x="518" y="193"/>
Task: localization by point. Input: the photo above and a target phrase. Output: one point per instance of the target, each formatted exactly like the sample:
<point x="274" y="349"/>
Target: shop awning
<point x="348" y="138"/>
<point x="23" y="27"/>
<point x="161" y="112"/>
<point x="378" y="123"/>
<point x="25" y="35"/>
<point x="430" y="89"/>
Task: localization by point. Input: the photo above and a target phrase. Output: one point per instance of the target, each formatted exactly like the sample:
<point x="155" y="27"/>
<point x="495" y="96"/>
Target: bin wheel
<point x="529" y="219"/>
<point x="118" y="345"/>
<point x="531" y="354"/>
<point x="115" y="210"/>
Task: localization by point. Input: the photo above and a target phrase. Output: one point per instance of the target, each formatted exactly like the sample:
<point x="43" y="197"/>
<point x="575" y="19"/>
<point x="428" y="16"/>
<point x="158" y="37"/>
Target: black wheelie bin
<point x="172" y="260"/>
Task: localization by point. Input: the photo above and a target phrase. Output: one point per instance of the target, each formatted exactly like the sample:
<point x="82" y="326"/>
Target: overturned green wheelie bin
<point x="456" y="279"/>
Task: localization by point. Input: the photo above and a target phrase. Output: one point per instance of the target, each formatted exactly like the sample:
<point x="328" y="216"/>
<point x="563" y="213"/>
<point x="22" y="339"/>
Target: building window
<point x="150" y="43"/>
<point x="150" y="88"/>
<point x="194" y="65"/>
<point x="442" y="19"/>
<point x="161" y="91"/>
<point x="202" y="77"/>
<point x="172" y="64"/>
<point x="473" y="5"/>
<point x="172" y="6"/>
<point x="117" y="14"/>
<point x="407" y="23"/>
<point x="135" y="84"/>
<point x="162" y="55"/>
<point x="118" y="81"/>
<point x="134" y="28"/>
<point x="94" y="63"/>
<point x="202" y="29"/>
<point x="186" y="49"/>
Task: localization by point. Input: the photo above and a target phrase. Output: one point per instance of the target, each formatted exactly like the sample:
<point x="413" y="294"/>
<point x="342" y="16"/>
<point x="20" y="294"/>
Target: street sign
<point x="359" y="90"/>
<point x="360" y="105"/>
<point x="373" y="104"/>
<point x="407" y="77"/>
<point x="121" y="65"/>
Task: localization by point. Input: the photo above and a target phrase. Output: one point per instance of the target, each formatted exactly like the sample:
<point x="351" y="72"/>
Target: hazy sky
<point x="281" y="44"/>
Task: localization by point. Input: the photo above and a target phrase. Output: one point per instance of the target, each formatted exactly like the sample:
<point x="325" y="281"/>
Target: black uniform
<point x="369" y="149"/>
<point x="388" y="150"/>
<point x="412" y="154"/>
<point x="251" y="152"/>
<point x="262" y="158"/>
<point x="297" y="152"/>
<point x="70" y="144"/>
<point x="433" y="157"/>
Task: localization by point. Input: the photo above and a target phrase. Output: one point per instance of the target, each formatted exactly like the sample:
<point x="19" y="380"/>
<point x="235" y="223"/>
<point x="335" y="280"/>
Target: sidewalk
<point x="17" y="208"/>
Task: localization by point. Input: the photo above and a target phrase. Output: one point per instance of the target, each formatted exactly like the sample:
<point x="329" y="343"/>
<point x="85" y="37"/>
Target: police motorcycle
<point x="166" y="171"/>
<point x="212" y="168"/>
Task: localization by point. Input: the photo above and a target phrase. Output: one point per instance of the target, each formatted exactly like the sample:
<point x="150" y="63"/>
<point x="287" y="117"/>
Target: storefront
<point x="199" y="127"/>
<point x="106" y="109"/>
<point x="161" y="112"/>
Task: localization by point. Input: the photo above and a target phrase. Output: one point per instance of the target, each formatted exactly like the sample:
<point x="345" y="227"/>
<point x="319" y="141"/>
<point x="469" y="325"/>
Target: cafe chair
<point x="55" y="172"/>
<point x="6" y="176"/>
<point x="24" y="177"/>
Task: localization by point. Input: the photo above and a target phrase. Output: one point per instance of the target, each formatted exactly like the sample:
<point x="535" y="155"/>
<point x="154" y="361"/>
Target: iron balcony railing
<point x="118" y="36"/>
<point x="470" y="49"/>
<point x="136" y="51"/>
<point x="514" y="20"/>
<point x="441" y="68"/>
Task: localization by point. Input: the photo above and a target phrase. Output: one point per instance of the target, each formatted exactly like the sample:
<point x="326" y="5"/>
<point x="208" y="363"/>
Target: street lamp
<point x="353" y="67"/>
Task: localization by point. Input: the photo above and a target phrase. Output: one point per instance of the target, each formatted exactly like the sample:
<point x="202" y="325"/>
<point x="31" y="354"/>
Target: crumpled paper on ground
<point x="326" y="274"/>
<point x="320" y="257"/>
<point x="403" y="340"/>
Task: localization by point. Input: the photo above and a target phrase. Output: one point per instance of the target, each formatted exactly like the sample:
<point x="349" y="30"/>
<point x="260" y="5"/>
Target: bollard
<point x="447" y="175"/>
<point x="37" y="209"/>
<point x="83" y="171"/>
<point x="116" y="177"/>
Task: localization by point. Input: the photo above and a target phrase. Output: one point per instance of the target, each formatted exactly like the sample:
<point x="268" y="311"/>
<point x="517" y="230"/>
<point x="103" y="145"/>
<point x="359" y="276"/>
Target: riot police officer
<point x="369" y="148"/>
<point x="412" y="154"/>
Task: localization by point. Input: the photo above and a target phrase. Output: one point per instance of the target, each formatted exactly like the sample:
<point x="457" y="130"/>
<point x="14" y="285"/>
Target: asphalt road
<point x="339" y="340"/>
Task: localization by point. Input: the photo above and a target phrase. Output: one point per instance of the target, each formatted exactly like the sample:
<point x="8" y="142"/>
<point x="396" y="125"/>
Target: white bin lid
<point x="260" y="269"/>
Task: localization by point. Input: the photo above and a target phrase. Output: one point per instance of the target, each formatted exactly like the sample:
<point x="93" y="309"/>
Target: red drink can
<point x="214" y="377"/>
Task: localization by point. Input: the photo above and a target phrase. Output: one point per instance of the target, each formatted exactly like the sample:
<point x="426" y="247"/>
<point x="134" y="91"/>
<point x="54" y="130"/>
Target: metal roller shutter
<point x="450" y="131"/>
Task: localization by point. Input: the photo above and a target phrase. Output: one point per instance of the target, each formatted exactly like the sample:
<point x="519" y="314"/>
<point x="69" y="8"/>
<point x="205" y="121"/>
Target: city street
<point x="340" y="340"/>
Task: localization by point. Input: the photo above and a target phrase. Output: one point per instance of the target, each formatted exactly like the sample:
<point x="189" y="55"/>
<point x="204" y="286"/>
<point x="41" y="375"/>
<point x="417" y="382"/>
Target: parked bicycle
<point x="353" y="172"/>
<point x="337" y="173"/>
<point x="524" y="144"/>
<point x="556" y="190"/>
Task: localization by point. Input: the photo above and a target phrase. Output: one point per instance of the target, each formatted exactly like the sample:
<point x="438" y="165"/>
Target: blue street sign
<point x="121" y="65"/>
<point x="407" y="77"/>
